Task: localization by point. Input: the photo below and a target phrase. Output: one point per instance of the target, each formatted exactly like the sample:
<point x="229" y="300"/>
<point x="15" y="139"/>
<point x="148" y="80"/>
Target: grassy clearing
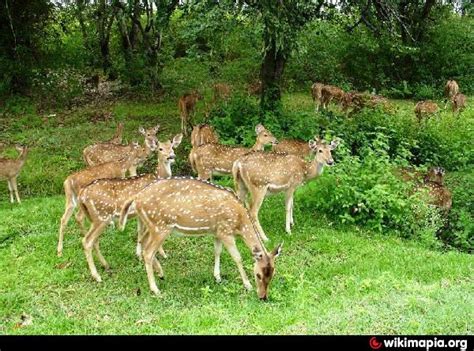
<point x="330" y="279"/>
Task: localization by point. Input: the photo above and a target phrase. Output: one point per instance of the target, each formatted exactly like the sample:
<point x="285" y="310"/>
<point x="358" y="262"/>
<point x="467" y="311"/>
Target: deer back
<point x="294" y="147"/>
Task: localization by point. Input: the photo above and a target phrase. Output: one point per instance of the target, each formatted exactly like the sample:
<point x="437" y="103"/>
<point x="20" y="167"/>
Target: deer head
<point x="150" y="136"/>
<point x="166" y="149"/>
<point x="322" y="150"/>
<point x="435" y="175"/>
<point x="264" y="136"/>
<point x="264" y="269"/>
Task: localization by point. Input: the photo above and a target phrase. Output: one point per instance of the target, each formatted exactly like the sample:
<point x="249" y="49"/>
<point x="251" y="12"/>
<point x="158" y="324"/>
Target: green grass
<point x="330" y="279"/>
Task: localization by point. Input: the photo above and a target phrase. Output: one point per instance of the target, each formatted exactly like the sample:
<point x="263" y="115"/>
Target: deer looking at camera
<point x="425" y="109"/>
<point x="210" y="159"/>
<point x="260" y="173"/>
<point x="77" y="181"/>
<point x="10" y="169"/>
<point x="187" y="104"/>
<point x="316" y="94"/>
<point x="109" y="152"/>
<point x="194" y="207"/>
<point x="450" y="90"/>
<point x="102" y="201"/>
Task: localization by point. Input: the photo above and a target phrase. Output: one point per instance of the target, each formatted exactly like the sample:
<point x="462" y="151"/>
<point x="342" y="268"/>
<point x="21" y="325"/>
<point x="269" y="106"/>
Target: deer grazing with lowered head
<point x="196" y="207"/>
<point x="10" y="169"/>
<point x="330" y="93"/>
<point x="102" y="201"/>
<point x="425" y="109"/>
<point x="450" y="90"/>
<point x="109" y="152"/>
<point x="78" y="180"/>
<point x="187" y="104"/>
<point x="260" y="173"/>
<point x="210" y="159"/>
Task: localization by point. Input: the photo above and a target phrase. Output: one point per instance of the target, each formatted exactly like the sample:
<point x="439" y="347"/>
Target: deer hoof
<point x="248" y="286"/>
<point x="97" y="278"/>
<point x="218" y="279"/>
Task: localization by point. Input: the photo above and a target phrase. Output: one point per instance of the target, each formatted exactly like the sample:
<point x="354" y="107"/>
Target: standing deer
<point x="330" y="93"/>
<point x="316" y="94"/>
<point x="209" y="159"/>
<point x="459" y="102"/>
<point x="108" y="152"/>
<point x="9" y="170"/>
<point x="187" y="104"/>
<point x="194" y="207"/>
<point x="102" y="200"/>
<point x="293" y="147"/>
<point x="203" y="134"/>
<point x="260" y="173"/>
<point x="450" y="90"/>
<point x="425" y="108"/>
<point x="77" y="181"/>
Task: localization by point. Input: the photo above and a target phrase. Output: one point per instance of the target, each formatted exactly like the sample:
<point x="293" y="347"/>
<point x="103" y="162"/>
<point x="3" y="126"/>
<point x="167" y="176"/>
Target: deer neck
<point x="22" y="156"/>
<point x="313" y="169"/>
<point x="250" y="235"/>
<point x="258" y="146"/>
<point x="163" y="169"/>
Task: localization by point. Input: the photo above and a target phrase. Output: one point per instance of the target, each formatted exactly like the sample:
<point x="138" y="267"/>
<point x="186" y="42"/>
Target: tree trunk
<point x="271" y="73"/>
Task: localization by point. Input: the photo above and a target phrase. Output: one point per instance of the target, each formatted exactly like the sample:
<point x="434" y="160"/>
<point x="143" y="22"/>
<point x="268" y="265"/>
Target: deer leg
<point x="80" y="216"/>
<point x="155" y="240"/>
<point x="217" y="259"/>
<point x="229" y="243"/>
<point x="289" y="209"/>
<point x="142" y="235"/>
<point x="101" y="258"/>
<point x="70" y="206"/>
<point x="15" y="188"/>
<point x="132" y="171"/>
<point x="10" y="189"/>
<point x="88" y="243"/>
<point x="257" y="199"/>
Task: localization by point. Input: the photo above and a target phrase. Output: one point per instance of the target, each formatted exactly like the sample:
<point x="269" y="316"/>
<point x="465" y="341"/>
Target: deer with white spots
<point x="77" y="181"/>
<point x="293" y="147"/>
<point x="196" y="207"/>
<point x="102" y="201"/>
<point x="109" y="152"/>
<point x="260" y="173"/>
<point x="9" y="170"/>
<point x="212" y="159"/>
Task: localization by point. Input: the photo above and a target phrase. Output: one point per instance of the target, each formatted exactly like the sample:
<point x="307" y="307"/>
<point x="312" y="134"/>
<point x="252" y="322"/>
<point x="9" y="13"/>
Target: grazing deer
<point x="108" y="152"/>
<point x="187" y="104"/>
<point x="359" y="101"/>
<point x="203" y="134"/>
<point x="102" y="200"/>
<point x="255" y="88"/>
<point x="221" y="91"/>
<point x="210" y="159"/>
<point x="434" y="182"/>
<point x="450" y="90"/>
<point x="316" y="94"/>
<point x="293" y="147"/>
<point x="77" y="181"/>
<point x="194" y="207"/>
<point x="330" y="93"/>
<point x="9" y="170"/>
<point x="425" y="108"/>
<point x="259" y="173"/>
<point x="459" y="102"/>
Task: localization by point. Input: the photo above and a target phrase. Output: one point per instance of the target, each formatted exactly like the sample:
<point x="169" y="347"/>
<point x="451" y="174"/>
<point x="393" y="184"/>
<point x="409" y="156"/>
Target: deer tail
<point x="127" y="207"/>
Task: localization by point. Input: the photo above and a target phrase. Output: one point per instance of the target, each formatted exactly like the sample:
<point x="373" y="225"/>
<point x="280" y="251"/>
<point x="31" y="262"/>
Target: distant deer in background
<point x="221" y="91"/>
<point x="10" y="169"/>
<point x="187" y="104"/>
<point x="316" y="94"/>
<point x="330" y="93"/>
<point x="458" y="102"/>
<point x="425" y="109"/>
<point x="450" y="90"/>
<point x="255" y="88"/>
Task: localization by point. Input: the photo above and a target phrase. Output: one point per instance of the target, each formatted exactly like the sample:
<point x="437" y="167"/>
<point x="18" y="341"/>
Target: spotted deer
<point x="425" y="109"/>
<point x="450" y="90"/>
<point x="78" y="180"/>
<point x="187" y="104"/>
<point x="458" y="102"/>
<point x="196" y="207"/>
<point x="293" y="147"/>
<point x="260" y="173"/>
<point x="439" y="194"/>
<point x="316" y="94"/>
<point x="211" y="159"/>
<point x="102" y="201"/>
<point x="109" y="152"/>
<point x="330" y="93"/>
<point x="10" y="169"/>
<point x="203" y="134"/>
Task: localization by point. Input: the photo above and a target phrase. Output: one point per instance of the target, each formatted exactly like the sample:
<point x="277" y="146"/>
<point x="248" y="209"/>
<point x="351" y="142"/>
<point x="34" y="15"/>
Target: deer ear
<point x="276" y="251"/>
<point x="177" y="139"/>
<point x="334" y="144"/>
<point x="257" y="254"/>
<point x="259" y="128"/>
<point x="156" y="128"/>
<point x="142" y="130"/>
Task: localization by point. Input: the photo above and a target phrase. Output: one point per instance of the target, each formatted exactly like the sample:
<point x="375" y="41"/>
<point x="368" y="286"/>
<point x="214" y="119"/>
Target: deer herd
<point x="163" y="204"/>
